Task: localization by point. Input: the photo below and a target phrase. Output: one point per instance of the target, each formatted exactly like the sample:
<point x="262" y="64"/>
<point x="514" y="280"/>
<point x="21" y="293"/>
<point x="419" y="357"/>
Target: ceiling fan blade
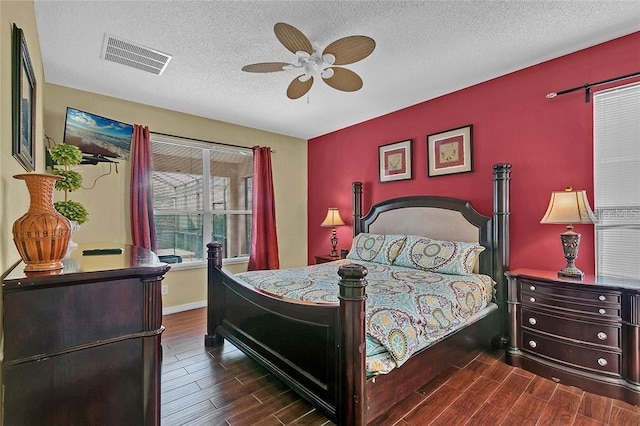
<point x="265" y="67"/>
<point x="292" y="38"/>
<point x="299" y="88"/>
<point x="350" y="49"/>
<point x="344" y="79"/>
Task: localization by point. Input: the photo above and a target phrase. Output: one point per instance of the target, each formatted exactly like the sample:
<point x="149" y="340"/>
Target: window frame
<point x="207" y="212"/>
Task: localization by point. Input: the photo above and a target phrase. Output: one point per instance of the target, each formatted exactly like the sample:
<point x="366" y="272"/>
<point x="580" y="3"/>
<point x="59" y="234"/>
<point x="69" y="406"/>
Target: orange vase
<point x="41" y="234"/>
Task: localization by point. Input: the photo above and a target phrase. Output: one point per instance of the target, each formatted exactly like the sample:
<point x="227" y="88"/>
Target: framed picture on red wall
<point x="395" y="161"/>
<point x="450" y="152"/>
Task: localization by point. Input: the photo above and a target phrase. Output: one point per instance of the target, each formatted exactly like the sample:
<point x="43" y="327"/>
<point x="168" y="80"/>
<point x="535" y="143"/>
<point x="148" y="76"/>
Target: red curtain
<point x="264" y="241"/>
<point x="143" y="228"/>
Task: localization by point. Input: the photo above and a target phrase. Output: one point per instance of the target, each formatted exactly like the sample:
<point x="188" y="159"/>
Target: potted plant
<point x="64" y="156"/>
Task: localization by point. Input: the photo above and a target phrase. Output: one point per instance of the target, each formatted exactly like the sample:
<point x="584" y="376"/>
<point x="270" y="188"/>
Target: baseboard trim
<point x="186" y="307"/>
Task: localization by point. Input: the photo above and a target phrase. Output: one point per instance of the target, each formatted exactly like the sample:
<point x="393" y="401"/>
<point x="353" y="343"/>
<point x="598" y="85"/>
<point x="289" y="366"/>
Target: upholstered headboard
<point x="432" y="222"/>
<point x="445" y="218"/>
<point x="440" y="218"/>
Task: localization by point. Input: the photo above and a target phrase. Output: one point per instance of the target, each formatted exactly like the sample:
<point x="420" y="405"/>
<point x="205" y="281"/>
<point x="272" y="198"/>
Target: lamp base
<point x="334" y="243"/>
<point x="571" y="273"/>
<point x="570" y="243"/>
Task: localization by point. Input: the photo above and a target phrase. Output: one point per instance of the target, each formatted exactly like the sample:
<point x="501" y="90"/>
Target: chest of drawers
<point x="83" y="346"/>
<point x="581" y="333"/>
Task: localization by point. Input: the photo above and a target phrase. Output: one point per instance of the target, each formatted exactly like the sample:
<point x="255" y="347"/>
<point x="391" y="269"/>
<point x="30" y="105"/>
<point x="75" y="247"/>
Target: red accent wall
<point x="548" y="142"/>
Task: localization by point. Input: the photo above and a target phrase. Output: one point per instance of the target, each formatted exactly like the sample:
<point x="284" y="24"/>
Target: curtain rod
<point x="587" y="87"/>
<point x="202" y="140"/>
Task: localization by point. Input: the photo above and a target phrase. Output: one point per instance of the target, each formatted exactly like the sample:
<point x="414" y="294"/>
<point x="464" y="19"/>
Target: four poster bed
<point x="319" y="345"/>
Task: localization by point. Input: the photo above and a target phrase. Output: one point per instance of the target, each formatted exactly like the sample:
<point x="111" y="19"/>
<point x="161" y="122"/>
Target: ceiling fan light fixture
<point x="314" y="62"/>
<point x="327" y="73"/>
<point x="328" y="58"/>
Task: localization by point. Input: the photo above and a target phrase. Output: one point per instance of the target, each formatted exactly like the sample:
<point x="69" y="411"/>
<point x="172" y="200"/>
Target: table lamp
<point x="333" y="219"/>
<point x="569" y="207"/>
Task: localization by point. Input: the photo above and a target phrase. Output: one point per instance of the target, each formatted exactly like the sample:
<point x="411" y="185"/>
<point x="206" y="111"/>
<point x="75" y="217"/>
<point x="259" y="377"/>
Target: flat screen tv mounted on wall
<point x="97" y="136"/>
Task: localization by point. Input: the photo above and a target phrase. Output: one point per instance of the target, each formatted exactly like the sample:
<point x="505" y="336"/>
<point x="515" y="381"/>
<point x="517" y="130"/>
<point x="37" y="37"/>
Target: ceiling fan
<point x="314" y="63"/>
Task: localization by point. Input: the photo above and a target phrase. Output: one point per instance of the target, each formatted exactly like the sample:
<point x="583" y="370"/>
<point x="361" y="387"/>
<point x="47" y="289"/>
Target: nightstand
<point x="326" y="258"/>
<point x="583" y="333"/>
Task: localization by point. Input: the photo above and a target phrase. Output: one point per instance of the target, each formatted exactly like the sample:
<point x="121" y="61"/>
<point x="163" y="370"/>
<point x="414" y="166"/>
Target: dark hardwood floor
<point x="220" y="386"/>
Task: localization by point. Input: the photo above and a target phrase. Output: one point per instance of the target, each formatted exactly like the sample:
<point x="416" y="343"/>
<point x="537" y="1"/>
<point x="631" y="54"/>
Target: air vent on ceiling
<point x="134" y="55"/>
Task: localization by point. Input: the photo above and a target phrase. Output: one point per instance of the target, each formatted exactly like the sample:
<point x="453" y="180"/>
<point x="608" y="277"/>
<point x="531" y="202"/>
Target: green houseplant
<point x="64" y="156"/>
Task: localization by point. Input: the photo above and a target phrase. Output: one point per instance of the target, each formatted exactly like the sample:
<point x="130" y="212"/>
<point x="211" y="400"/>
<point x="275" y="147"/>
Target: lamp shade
<point x="333" y="218"/>
<point x="569" y="207"/>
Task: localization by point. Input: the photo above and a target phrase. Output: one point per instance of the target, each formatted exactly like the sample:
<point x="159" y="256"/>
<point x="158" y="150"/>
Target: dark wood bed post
<point x="357" y="207"/>
<point x="214" y="260"/>
<point x="501" y="212"/>
<point x="352" y="404"/>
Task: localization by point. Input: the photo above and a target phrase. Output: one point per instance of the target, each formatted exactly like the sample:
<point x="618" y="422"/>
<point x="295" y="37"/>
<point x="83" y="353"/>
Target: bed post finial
<point x="214" y="254"/>
<point x="501" y="212"/>
<point x="352" y="406"/>
<point x="357" y="207"/>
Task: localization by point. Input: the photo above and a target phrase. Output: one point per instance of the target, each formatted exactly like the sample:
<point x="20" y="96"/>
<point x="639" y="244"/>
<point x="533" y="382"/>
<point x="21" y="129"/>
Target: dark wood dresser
<point x="583" y="333"/>
<point x="83" y="346"/>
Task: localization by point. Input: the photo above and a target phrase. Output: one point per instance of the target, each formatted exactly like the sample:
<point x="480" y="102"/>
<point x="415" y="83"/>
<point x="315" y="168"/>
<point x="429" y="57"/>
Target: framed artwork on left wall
<point x="23" y="97"/>
<point x="395" y="161"/>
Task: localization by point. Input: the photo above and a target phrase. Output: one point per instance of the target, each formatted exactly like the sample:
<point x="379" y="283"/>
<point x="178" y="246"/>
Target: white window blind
<point x="616" y="141"/>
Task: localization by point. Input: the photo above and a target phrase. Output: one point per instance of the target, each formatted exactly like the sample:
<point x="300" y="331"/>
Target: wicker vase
<point x="41" y="234"/>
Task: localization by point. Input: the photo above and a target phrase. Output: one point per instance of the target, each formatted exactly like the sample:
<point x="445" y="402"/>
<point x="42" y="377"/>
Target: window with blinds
<point x="616" y="127"/>
<point x="202" y="193"/>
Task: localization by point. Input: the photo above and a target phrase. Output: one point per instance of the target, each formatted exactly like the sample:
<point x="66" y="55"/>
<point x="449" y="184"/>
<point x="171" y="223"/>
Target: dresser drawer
<point x="597" y="309"/>
<point x="607" y="297"/>
<point x="597" y="334"/>
<point x="601" y="361"/>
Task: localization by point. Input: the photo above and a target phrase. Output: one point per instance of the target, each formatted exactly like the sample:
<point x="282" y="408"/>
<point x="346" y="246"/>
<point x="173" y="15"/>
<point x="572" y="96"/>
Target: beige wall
<point x="108" y="203"/>
<point x="14" y="199"/>
<point x="186" y="286"/>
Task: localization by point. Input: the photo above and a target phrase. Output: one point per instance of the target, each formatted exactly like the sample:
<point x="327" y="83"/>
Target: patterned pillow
<point x="447" y="257"/>
<point x="376" y="248"/>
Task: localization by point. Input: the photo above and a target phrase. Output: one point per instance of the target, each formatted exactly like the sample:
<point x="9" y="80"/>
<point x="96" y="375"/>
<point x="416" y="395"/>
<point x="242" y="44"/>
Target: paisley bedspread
<point x="407" y="309"/>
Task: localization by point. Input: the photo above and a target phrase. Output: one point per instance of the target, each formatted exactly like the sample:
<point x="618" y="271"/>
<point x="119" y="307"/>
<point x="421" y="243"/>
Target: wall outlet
<point x="165" y="289"/>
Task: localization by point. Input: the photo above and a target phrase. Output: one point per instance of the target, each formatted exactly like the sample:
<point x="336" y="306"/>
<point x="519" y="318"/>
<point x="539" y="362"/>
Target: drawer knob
<point x="602" y="336"/>
<point x="602" y="298"/>
<point x="602" y="362"/>
<point x="532" y="299"/>
<point x="602" y="311"/>
<point x="532" y="321"/>
<point x="533" y="344"/>
<point x="532" y="288"/>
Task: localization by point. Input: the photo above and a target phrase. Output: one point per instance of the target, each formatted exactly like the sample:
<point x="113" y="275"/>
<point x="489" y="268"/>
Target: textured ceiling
<point x="424" y="49"/>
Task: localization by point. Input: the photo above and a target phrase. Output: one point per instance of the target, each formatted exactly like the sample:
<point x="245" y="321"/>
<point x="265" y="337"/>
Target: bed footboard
<point x="302" y="344"/>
